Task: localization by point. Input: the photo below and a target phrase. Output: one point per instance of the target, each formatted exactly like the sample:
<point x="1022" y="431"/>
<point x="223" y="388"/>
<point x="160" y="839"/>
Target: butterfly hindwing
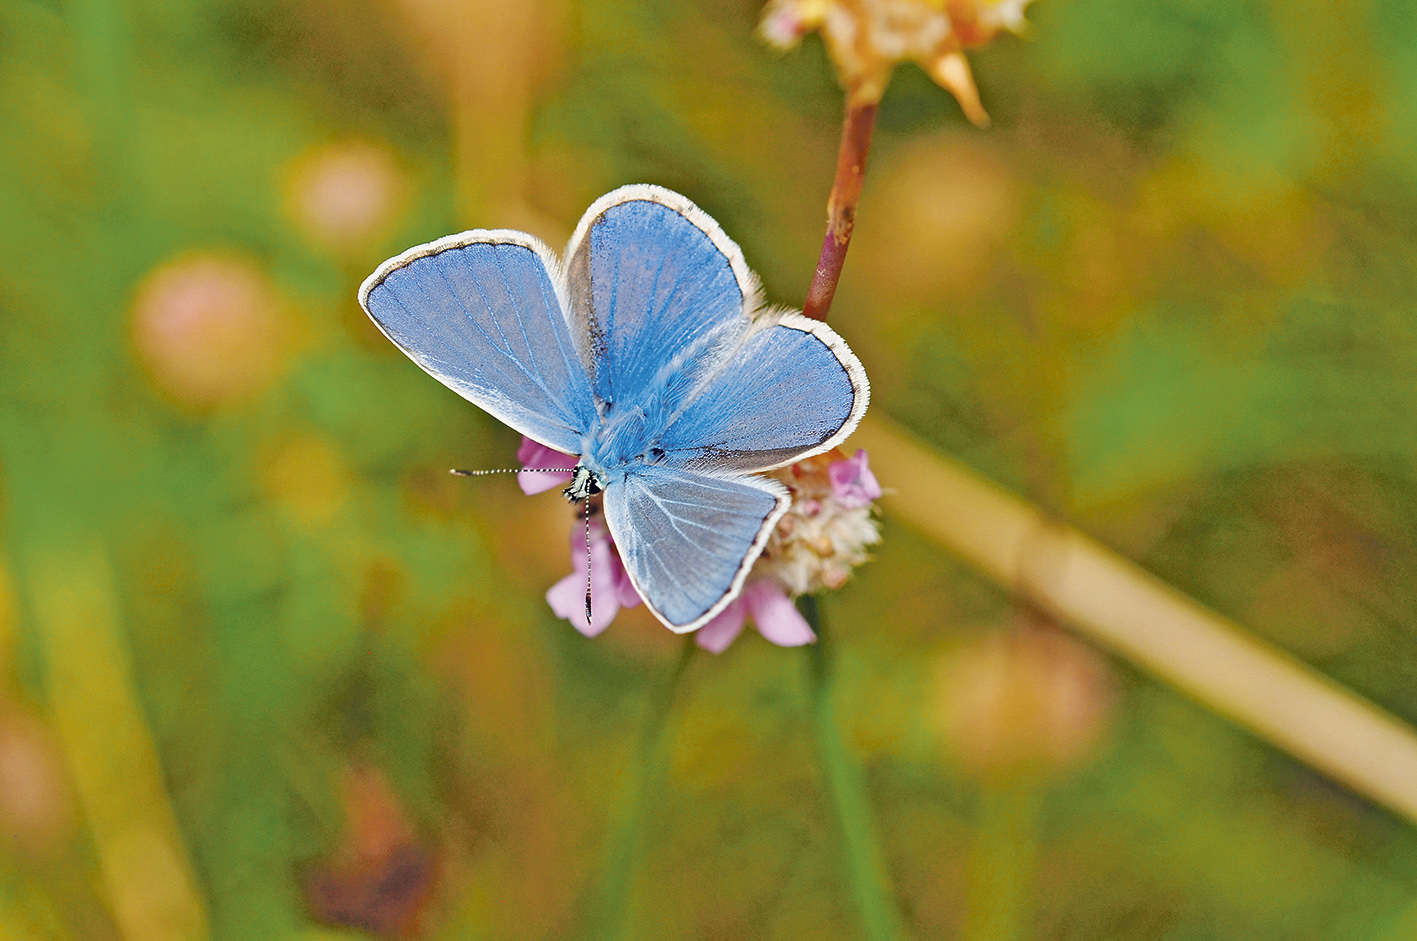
<point x="688" y="539"/>
<point x="481" y="313"/>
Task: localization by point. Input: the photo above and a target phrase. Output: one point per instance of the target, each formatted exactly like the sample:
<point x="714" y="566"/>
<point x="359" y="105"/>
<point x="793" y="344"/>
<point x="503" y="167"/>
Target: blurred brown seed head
<point x="378" y="823"/>
<point x="209" y="329"/>
<point x="1023" y="703"/>
<point x="381" y="878"/>
<point x="346" y="195"/>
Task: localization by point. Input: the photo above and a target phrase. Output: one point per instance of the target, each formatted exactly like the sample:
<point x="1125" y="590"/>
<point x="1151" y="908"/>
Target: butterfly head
<point x="585" y="483"/>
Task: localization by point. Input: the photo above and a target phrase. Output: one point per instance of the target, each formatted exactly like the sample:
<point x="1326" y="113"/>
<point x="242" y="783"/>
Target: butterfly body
<point x="585" y="483"/>
<point x="649" y="358"/>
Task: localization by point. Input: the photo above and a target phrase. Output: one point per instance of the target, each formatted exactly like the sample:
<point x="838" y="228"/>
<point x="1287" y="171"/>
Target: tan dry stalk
<point x="1117" y="604"/>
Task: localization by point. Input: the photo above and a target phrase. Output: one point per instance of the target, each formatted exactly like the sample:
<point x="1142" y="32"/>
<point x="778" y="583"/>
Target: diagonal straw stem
<point x="1117" y="604"/>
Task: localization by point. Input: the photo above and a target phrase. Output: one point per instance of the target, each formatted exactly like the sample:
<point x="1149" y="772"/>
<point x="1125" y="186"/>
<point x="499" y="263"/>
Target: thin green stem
<point x="609" y="907"/>
<point x="104" y="40"/>
<point x="856" y="822"/>
<point x="1001" y="871"/>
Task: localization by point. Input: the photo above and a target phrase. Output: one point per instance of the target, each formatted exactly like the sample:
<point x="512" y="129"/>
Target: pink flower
<point x="776" y="617"/>
<point x="535" y="455"/>
<point x="853" y="484"/>
<point x="610" y="586"/>
<point x="816" y="546"/>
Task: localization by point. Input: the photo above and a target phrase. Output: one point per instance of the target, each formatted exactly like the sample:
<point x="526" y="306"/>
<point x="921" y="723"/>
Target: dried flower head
<point x="817" y="543"/>
<point x="867" y="38"/>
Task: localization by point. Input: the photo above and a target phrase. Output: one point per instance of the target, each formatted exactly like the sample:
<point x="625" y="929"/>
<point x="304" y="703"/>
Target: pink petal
<point x="567" y="600"/>
<point x="625" y="591"/>
<point x="716" y="635"/>
<point x="775" y="615"/>
<point x="610" y="587"/>
<point x="852" y="481"/>
<point x="534" y="454"/>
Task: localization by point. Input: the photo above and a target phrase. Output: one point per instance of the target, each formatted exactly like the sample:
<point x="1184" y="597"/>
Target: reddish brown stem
<point x="841" y="208"/>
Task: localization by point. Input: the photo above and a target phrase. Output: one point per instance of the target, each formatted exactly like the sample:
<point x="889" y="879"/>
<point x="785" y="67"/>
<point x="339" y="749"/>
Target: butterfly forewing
<point x="657" y="291"/>
<point x="688" y="539"/>
<point x="480" y="313"/>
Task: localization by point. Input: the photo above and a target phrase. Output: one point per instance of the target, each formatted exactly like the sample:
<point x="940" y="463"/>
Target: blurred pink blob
<point x="773" y="613"/>
<point x="209" y="329"/>
<point x="36" y="809"/>
<point x="783" y="25"/>
<point x="535" y="455"/>
<point x="1025" y="702"/>
<point x="610" y="586"/>
<point x="346" y="195"/>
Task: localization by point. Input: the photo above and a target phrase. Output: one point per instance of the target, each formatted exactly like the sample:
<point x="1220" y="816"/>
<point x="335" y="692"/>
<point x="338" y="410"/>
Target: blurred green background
<point x="267" y="671"/>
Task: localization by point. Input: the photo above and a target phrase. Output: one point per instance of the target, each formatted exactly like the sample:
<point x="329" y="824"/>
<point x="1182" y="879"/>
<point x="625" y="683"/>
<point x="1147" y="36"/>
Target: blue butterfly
<point x="650" y="356"/>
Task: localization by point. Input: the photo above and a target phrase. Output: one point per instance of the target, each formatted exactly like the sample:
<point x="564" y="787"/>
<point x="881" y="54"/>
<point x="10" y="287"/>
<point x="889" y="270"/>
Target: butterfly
<point x="649" y="355"/>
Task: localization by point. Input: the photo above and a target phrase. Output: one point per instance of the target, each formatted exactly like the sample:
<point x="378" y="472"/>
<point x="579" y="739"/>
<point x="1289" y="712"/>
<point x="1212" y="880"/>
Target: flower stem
<point x="1001" y="871"/>
<point x="856" y="130"/>
<point x="609" y="907"/>
<point x="861" y="846"/>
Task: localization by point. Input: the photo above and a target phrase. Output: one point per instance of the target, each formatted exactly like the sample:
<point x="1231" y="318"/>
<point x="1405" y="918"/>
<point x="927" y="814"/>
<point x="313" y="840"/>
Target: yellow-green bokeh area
<point x="267" y="672"/>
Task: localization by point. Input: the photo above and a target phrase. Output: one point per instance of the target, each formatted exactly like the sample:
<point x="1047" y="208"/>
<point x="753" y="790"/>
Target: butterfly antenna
<point x="459" y="472"/>
<point x="587" y="564"/>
